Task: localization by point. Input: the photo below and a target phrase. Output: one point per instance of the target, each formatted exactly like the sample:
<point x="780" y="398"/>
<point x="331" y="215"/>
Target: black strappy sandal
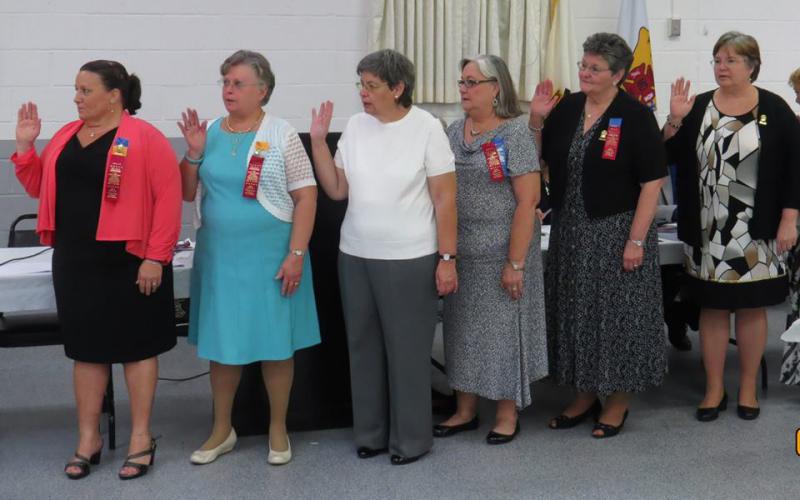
<point x="141" y="469"/>
<point x="608" y="429"/>
<point x="82" y="463"/>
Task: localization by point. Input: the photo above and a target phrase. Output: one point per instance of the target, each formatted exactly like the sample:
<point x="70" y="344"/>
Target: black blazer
<point x="609" y="186"/>
<point x="778" y="182"/>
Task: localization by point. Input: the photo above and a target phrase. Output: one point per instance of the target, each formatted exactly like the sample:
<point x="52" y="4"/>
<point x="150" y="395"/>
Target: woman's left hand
<point x="787" y="235"/>
<point x="632" y="257"/>
<point x="446" y="277"/>
<point x="291" y="272"/>
<point x="149" y="278"/>
<point x="511" y="281"/>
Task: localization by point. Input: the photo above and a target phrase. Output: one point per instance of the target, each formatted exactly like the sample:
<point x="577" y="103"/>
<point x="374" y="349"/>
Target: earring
<point x="396" y="97"/>
<point x="495" y="102"/>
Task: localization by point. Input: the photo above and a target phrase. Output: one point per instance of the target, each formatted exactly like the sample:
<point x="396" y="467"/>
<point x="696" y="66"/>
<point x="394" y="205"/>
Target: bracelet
<point x="535" y="129"/>
<point x="673" y="125"/>
<point x="193" y="161"/>
<point x="297" y="252"/>
<point x="638" y="243"/>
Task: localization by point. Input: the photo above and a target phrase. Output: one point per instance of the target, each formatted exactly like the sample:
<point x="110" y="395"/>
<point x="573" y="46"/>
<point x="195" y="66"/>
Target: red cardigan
<point x="147" y="214"/>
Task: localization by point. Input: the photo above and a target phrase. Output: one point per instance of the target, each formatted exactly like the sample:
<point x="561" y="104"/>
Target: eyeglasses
<point x="472" y="83"/>
<point x="370" y="86"/>
<point x="236" y="84"/>
<point x="594" y="70"/>
<point x="730" y="61"/>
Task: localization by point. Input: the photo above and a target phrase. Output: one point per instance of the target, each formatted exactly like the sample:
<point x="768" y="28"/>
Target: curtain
<point x="437" y="34"/>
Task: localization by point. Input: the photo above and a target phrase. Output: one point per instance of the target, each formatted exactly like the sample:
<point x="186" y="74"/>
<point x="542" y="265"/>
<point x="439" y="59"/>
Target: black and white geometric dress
<point x="731" y="270"/>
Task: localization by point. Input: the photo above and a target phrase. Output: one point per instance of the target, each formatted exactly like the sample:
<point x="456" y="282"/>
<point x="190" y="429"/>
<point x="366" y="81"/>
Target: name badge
<point x="493" y="161"/>
<point x="119" y="153"/>
<point x="612" y="139"/>
<point x="253" y="175"/>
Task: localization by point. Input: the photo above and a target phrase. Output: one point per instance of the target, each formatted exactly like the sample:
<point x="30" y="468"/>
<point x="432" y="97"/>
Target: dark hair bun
<point x="134" y="94"/>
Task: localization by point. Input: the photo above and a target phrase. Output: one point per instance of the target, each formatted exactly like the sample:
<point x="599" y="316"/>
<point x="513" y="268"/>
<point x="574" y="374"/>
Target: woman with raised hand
<point x="109" y="204"/>
<point x="397" y="251"/>
<point x="252" y="290"/>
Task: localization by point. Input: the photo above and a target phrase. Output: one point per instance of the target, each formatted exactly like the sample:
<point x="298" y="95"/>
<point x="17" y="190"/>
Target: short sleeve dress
<point x="494" y="346"/>
<point x="238" y="315"/>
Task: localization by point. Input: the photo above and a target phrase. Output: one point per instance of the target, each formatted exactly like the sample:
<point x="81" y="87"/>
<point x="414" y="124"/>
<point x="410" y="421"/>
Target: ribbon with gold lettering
<point x="612" y="139"/>
<point x="493" y="162"/>
<point x="253" y="175"/>
<point x="119" y="152"/>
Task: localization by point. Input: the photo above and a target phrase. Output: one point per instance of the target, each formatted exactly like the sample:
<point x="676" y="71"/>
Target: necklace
<point x="238" y="134"/>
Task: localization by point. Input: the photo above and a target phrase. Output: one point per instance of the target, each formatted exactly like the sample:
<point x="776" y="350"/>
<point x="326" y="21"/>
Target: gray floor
<point x="662" y="452"/>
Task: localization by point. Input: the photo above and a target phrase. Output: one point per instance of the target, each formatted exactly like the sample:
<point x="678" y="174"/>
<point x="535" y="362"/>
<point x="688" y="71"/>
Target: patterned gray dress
<point x="494" y="347"/>
<point x="605" y="325"/>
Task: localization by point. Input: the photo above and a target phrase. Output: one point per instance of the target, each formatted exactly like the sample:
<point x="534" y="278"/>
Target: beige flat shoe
<point x="202" y="457"/>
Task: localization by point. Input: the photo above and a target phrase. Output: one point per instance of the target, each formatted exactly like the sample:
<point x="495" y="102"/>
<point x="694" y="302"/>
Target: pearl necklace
<point x="237" y="138"/>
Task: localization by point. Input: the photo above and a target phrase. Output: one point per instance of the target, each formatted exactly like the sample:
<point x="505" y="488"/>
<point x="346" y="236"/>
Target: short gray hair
<point x="613" y="49"/>
<point x="260" y="66"/>
<point x="393" y="68"/>
<point x="495" y="67"/>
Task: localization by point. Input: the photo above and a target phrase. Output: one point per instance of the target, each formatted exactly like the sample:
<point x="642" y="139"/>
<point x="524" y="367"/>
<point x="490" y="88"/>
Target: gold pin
<point x="603" y="135"/>
<point x="762" y="120"/>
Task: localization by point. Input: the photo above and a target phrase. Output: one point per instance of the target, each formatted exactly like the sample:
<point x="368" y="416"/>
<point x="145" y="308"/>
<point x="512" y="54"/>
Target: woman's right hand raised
<point x="321" y="122"/>
<point x="194" y="132"/>
<point x="543" y="100"/>
<point x="29" y="125"/>
<point x="680" y="103"/>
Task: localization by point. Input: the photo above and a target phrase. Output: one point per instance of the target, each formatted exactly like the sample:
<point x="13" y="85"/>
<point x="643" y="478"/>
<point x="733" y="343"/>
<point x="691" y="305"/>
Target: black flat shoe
<point x="82" y="463"/>
<point x="443" y="431"/>
<point x="401" y="460"/>
<point x="608" y="429"/>
<point x="141" y="469"/>
<point x="564" y="422"/>
<point x="366" y="452"/>
<point x="709" y="414"/>
<point x="678" y="337"/>
<point x="497" y="438"/>
<point x="747" y="412"/>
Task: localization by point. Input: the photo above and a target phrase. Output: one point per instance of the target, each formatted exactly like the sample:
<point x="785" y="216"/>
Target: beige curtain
<point x="437" y="34"/>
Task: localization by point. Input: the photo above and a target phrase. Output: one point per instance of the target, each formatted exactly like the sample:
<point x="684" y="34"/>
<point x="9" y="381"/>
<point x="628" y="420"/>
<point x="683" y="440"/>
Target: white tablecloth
<point x="26" y="285"/>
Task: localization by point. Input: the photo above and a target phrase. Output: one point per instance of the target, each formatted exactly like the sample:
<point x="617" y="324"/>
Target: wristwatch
<point x="447" y="256"/>
<point x="517" y="266"/>
<point x="638" y="243"/>
<point x="297" y="252"/>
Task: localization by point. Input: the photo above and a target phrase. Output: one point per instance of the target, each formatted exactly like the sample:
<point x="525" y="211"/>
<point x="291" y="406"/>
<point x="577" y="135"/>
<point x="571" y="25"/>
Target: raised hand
<point x="193" y="132"/>
<point x="29" y="125"/>
<point x="321" y="122"/>
<point x="680" y="103"/>
<point x="543" y="100"/>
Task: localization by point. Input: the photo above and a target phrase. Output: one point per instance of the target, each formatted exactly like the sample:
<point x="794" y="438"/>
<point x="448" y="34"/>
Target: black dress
<point x="103" y="316"/>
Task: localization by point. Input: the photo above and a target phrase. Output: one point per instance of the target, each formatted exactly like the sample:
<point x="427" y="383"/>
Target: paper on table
<point x="793" y="333"/>
<point x="25" y="267"/>
<point x="182" y="259"/>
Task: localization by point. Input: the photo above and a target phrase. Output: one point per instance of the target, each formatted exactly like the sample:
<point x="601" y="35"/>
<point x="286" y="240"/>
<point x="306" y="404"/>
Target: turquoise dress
<point x="237" y="314"/>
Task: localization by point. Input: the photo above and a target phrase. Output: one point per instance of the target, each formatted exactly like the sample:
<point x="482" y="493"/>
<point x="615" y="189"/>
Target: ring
<point x="513" y="289"/>
<point x="295" y="283"/>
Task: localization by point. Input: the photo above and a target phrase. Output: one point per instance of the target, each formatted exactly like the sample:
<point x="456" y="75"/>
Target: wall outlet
<point x="674" y="27"/>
